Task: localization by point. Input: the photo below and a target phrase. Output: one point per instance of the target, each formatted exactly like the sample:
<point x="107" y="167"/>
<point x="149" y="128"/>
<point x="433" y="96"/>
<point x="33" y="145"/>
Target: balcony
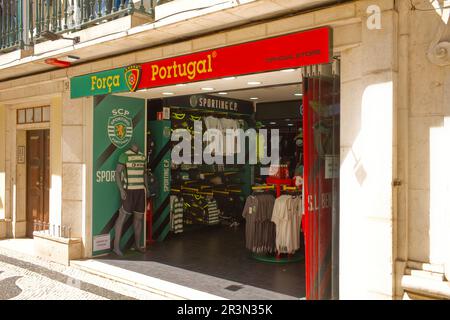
<point x="26" y="22"/>
<point x="114" y="28"/>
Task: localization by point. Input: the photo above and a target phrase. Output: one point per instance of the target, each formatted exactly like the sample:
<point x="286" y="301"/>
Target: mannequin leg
<point x="123" y="215"/>
<point x="138" y="220"/>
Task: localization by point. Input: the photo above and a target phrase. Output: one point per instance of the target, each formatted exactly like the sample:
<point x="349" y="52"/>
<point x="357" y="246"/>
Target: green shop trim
<point x="105" y="82"/>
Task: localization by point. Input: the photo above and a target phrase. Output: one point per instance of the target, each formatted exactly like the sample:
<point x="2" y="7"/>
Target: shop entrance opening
<point x="200" y="227"/>
<point x="200" y="231"/>
<point x="200" y="235"/>
<point x="221" y="226"/>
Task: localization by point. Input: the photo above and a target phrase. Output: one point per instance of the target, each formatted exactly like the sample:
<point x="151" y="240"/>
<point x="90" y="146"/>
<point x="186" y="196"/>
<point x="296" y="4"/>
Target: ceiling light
<point x="272" y="122"/>
<point x="254" y="98"/>
<point x="181" y="84"/>
<point x="167" y="93"/>
<point x="229" y="78"/>
<point x="290" y="124"/>
<point x="223" y="93"/>
<point x="288" y="70"/>
<point x="253" y="83"/>
<point x="298" y="94"/>
<point x="208" y="89"/>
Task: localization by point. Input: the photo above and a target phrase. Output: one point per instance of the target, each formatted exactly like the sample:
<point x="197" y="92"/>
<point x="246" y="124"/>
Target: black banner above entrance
<point x="208" y="102"/>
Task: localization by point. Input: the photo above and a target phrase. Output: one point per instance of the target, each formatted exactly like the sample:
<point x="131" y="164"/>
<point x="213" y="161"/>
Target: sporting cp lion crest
<point x="132" y="77"/>
<point x="120" y="130"/>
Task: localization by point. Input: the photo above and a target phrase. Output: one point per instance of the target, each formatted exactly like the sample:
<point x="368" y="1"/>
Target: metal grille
<point x="53" y="230"/>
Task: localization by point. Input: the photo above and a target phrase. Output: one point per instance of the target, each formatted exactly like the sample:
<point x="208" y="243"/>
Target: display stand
<point x="184" y="112"/>
<point x="279" y="185"/>
<point x="284" y="258"/>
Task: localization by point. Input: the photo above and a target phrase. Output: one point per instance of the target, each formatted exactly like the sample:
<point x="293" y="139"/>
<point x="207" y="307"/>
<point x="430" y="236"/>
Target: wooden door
<point x="38" y="178"/>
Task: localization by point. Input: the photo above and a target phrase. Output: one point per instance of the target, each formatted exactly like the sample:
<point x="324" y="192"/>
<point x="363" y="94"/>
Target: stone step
<point x="425" y="274"/>
<point x="437" y="268"/>
<point x="421" y="288"/>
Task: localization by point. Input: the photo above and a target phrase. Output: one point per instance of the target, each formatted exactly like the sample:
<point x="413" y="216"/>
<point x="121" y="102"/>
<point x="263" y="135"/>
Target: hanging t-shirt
<point x="212" y="212"/>
<point x="176" y="214"/>
<point x="260" y="147"/>
<point x="287" y="214"/>
<point x="214" y="123"/>
<point x="135" y="168"/>
<point x="231" y="124"/>
<point x="259" y="229"/>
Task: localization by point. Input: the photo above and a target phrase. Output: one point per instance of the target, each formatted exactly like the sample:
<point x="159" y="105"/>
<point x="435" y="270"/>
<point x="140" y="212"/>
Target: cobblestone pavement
<point x="26" y="277"/>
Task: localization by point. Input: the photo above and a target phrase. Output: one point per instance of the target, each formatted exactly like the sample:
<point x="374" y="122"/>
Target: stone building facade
<point x="395" y="104"/>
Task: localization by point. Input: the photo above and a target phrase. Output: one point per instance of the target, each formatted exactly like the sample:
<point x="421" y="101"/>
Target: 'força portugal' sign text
<point x="288" y="51"/>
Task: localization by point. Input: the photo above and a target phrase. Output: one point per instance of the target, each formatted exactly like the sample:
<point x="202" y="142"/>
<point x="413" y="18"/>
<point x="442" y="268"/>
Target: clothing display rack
<point x="211" y="193"/>
<point x="276" y="187"/>
<point x="280" y="184"/>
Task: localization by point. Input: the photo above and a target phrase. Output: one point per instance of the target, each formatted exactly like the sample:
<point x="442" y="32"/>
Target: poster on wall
<point x="119" y="122"/>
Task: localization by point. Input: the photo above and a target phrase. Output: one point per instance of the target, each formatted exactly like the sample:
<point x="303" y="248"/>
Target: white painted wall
<point x="2" y="171"/>
<point x="56" y="153"/>
<point x="428" y="189"/>
<point x="2" y="161"/>
<point x="368" y="146"/>
<point x="72" y="163"/>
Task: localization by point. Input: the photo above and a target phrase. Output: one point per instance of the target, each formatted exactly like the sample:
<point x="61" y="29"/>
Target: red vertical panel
<point x="315" y="232"/>
<point x="306" y="228"/>
<point x="319" y="129"/>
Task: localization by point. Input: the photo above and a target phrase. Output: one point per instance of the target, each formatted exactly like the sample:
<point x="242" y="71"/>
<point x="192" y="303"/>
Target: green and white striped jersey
<point x="135" y="170"/>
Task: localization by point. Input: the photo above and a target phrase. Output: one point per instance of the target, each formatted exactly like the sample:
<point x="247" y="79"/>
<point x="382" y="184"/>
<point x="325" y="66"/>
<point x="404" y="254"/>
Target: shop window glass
<point x="21" y="116"/>
<point x="46" y="114"/>
<point x="33" y="115"/>
<point x="37" y="114"/>
<point x="29" y="115"/>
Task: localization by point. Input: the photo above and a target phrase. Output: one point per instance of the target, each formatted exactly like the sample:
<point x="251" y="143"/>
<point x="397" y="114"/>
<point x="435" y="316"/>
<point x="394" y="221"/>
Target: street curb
<point x="154" y="285"/>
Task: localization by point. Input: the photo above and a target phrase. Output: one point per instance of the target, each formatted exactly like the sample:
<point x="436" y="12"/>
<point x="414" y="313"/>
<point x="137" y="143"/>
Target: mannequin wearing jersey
<point x="131" y="179"/>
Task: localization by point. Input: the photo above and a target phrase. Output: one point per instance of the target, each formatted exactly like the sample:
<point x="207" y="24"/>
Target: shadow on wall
<point x="428" y="137"/>
<point x="369" y="121"/>
<point x="366" y="177"/>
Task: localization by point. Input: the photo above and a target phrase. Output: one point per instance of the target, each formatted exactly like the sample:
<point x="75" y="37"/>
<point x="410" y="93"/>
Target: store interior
<point x="217" y="213"/>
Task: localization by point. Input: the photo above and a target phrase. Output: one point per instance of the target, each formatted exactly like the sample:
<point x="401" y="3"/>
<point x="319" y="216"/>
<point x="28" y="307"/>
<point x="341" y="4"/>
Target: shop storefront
<point x="284" y="84"/>
<point x="391" y="181"/>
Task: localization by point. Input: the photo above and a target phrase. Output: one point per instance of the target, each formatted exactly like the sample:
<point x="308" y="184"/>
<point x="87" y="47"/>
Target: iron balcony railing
<point x="54" y="230"/>
<point x="9" y="24"/>
<point x="25" y="22"/>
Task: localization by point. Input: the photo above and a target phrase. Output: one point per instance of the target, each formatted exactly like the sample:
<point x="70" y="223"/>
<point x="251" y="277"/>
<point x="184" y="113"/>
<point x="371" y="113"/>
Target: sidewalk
<point x="174" y="282"/>
<point x="145" y="279"/>
<point x="25" y="276"/>
<point x="103" y="274"/>
<point x="164" y="288"/>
